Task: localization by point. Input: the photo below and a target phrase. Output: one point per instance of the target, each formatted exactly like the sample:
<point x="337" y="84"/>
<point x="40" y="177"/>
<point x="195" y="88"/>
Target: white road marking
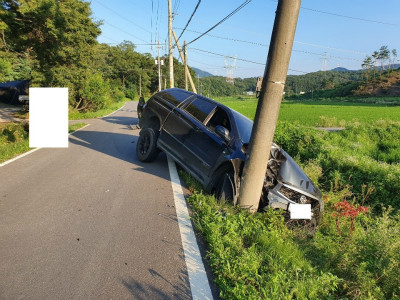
<point x="79" y="129"/>
<point x="31" y="151"/>
<point x="198" y="280"/>
<point x="18" y="157"/>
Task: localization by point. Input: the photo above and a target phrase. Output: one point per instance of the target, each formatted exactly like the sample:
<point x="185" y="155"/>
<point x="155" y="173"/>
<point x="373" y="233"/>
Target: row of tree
<point x="383" y="57"/>
<point x="54" y="43"/>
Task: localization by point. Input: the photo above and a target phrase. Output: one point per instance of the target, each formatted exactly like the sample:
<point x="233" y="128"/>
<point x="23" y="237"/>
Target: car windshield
<point x="244" y="126"/>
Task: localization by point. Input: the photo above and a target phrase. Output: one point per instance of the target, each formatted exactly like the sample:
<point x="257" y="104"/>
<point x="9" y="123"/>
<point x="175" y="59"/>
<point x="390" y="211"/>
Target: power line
<point x="241" y="59"/>
<point x="223" y="20"/>
<point x="265" y="45"/>
<point x="190" y="19"/>
<point x="348" y="17"/>
<point x="344" y="16"/>
<point x="175" y="8"/>
<point x="126" y="19"/>
<point x="126" y="32"/>
<point x="151" y="20"/>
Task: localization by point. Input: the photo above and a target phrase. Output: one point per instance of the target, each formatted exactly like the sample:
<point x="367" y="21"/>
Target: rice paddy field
<point x="355" y="251"/>
<point x="319" y="113"/>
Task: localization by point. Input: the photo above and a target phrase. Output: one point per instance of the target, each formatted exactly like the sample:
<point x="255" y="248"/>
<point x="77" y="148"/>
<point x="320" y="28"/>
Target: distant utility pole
<point x="325" y="59"/>
<point x="186" y="66"/>
<point x="198" y="82"/>
<point x="269" y="102"/>
<point x="229" y="70"/>
<point x="171" y="57"/>
<point x="159" y="63"/>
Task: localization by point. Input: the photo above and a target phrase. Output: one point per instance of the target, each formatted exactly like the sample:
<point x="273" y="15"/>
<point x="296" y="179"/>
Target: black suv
<point x="209" y="140"/>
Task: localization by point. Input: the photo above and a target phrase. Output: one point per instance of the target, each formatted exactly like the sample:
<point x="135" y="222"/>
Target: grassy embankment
<point x="353" y="255"/>
<point x="75" y="115"/>
<point x="14" y="139"/>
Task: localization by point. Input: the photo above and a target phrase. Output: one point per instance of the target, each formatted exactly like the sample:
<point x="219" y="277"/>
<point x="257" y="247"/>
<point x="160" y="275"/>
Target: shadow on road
<point x="121" y="146"/>
<point x="148" y="291"/>
<point x="121" y="120"/>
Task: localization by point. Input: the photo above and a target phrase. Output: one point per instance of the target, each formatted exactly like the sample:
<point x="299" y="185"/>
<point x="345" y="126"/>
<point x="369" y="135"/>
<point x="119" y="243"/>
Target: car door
<point x="202" y="145"/>
<point x="175" y="125"/>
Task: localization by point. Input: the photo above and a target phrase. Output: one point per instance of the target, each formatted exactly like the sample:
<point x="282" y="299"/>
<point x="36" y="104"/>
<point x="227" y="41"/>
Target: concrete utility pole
<point x="186" y="67"/>
<point x="269" y="103"/>
<point x="159" y="65"/>
<point x="171" y="57"/>
<point x="184" y="61"/>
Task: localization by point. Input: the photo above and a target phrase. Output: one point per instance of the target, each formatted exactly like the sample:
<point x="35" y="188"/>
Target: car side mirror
<point x="222" y="132"/>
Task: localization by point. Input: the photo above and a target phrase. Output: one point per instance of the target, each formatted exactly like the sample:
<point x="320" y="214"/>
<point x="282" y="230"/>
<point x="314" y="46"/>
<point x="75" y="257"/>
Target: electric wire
<point x="223" y="20"/>
<point x="190" y="19"/>
<point x="265" y="45"/>
<point x="241" y="59"/>
<point x="121" y="16"/>
<point x="349" y="17"/>
<point x="344" y="16"/>
<point x="126" y="32"/>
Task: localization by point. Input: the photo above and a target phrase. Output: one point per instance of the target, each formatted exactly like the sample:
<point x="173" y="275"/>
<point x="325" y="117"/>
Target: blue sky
<point x="329" y="33"/>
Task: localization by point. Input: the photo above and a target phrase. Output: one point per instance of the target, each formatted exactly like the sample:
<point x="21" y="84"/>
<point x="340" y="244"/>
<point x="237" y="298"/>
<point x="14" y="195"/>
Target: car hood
<point x="291" y="174"/>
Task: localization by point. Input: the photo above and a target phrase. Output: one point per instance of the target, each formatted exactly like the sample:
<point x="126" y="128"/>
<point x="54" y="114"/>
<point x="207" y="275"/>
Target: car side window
<point x="220" y="117"/>
<point x="200" y="109"/>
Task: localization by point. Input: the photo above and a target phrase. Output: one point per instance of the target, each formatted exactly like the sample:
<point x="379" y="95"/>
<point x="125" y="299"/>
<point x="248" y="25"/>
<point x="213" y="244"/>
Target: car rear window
<point x="200" y="109"/>
<point x="174" y="97"/>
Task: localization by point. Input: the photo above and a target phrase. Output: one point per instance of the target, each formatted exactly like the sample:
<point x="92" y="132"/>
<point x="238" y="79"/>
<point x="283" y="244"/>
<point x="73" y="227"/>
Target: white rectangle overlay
<point x="300" y="211"/>
<point x="48" y="117"/>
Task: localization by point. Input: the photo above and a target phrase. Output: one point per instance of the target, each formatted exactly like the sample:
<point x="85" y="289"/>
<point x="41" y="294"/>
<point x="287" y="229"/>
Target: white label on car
<point x="300" y="211"/>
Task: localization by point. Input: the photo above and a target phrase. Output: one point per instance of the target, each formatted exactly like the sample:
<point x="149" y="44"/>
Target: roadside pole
<point x="159" y="65"/>
<point x="171" y="57"/>
<point x="269" y="103"/>
<point x="186" y="66"/>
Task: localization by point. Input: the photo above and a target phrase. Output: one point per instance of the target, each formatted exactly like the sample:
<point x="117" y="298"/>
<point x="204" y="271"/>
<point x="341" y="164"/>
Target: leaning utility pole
<point x="171" y="57"/>
<point x="269" y="102"/>
<point x="184" y="61"/>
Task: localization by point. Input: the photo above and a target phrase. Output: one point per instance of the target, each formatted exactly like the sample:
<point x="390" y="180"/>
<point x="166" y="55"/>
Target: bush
<point x="96" y="92"/>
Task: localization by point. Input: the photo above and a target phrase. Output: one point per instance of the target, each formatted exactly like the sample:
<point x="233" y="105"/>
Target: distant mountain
<point x="201" y="73"/>
<point x="340" y="69"/>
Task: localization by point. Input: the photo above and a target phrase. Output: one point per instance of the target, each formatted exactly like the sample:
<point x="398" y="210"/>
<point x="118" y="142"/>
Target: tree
<point x="394" y="56"/>
<point x="376" y="57"/>
<point x="383" y="56"/>
<point x="367" y="65"/>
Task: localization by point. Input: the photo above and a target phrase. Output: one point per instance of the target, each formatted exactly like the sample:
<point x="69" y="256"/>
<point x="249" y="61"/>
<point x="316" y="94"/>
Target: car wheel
<point x="146" y="147"/>
<point x="225" y="189"/>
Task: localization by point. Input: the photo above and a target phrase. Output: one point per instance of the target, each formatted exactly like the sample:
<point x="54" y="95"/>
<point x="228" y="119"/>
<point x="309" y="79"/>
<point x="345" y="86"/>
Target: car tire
<point x="225" y="189"/>
<point x="146" y="147"/>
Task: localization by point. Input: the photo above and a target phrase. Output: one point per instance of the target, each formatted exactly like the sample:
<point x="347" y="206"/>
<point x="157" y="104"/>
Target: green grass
<point x="14" y="139"/>
<point x="256" y="256"/>
<point x="319" y="113"/>
<point x="75" y="115"/>
<point x="75" y="127"/>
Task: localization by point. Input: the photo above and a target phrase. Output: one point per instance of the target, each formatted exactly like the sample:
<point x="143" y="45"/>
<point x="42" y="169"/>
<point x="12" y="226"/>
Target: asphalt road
<point x="90" y="221"/>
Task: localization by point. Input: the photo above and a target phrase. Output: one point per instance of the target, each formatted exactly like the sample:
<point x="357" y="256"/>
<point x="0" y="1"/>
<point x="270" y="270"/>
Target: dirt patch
<point x="7" y="111"/>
